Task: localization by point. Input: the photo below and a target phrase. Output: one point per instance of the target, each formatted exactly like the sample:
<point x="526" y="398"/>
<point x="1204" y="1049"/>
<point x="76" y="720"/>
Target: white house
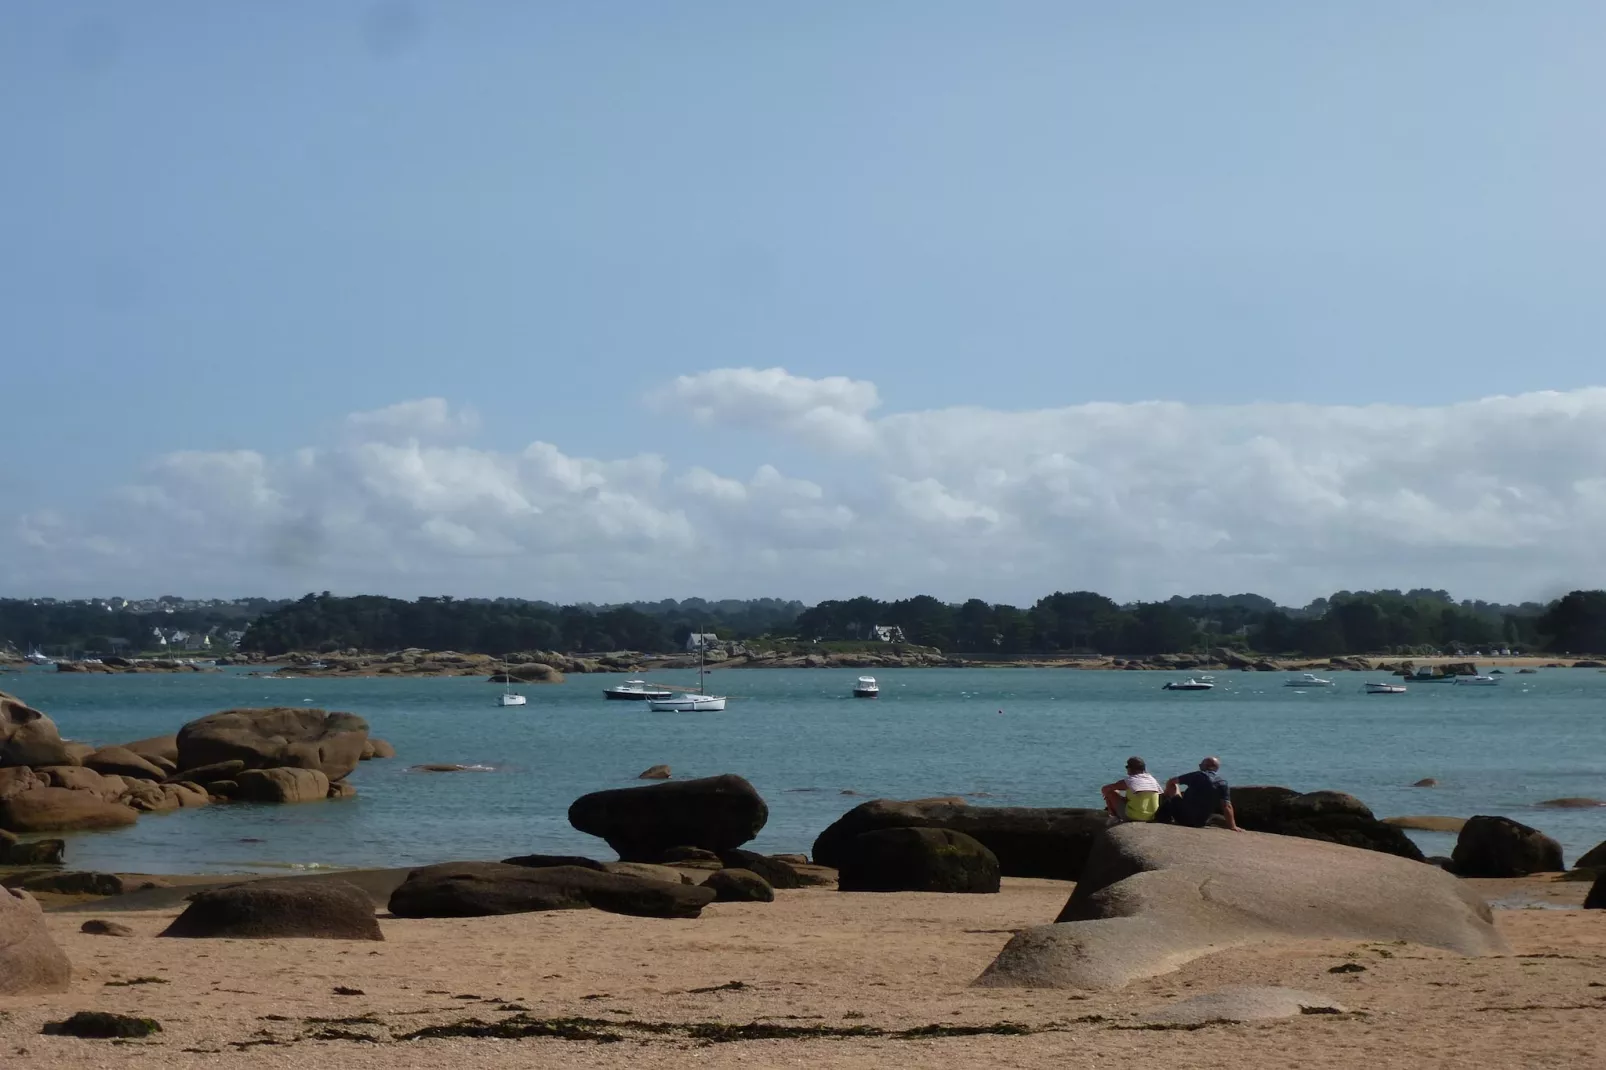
<point x="887" y="633"/>
<point x="701" y="640"/>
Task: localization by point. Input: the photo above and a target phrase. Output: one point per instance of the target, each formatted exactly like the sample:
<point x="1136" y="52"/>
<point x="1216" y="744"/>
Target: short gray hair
<point x="1210" y="765"/>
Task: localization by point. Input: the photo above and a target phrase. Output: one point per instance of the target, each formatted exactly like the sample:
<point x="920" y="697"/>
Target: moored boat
<point x="1307" y="679"/>
<point x="1189" y="684"/>
<point x="688" y="703"/>
<point x="636" y="691"/>
<point x="1477" y="681"/>
<point x="866" y="688"/>
<point x="1385" y="689"/>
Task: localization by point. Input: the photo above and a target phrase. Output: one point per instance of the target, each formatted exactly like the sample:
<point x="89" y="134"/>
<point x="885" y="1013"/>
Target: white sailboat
<point x="690" y="703"/>
<point x="509" y="697"/>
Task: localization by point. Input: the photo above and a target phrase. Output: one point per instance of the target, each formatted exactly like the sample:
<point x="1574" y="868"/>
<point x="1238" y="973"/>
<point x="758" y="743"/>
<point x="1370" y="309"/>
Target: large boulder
<point x="77" y="778"/>
<point x="322" y="908"/>
<point x="1153" y="897"/>
<point x="281" y="785"/>
<point x="1500" y="847"/>
<point x="62" y="810"/>
<point x="28" y="737"/>
<point x="716" y="813"/>
<point x="917" y="860"/>
<point x="1332" y="816"/>
<point x="477" y="889"/>
<point x="1594" y="858"/>
<point x="1050" y="842"/>
<point x="739" y="886"/>
<point x="163" y="747"/>
<point x="278" y="737"/>
<point x="119" y="761"/>
<point x="30" y="961"/>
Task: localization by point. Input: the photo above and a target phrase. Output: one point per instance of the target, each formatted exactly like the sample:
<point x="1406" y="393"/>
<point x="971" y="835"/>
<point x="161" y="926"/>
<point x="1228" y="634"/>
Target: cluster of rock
<point x="48" y="784"/>
<point x="115" y="665"/>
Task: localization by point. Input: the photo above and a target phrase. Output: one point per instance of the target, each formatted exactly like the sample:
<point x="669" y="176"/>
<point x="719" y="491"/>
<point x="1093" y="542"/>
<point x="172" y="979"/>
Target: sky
<point x="606" y="301"/>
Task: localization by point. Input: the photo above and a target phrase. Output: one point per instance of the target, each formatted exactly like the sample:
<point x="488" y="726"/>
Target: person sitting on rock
<point x="1141" y="801"/>
<point x="1206" y="793"/>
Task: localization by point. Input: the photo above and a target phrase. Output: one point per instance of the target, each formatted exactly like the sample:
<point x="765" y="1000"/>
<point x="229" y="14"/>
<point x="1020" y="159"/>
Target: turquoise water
<point x="1020" y="737"/>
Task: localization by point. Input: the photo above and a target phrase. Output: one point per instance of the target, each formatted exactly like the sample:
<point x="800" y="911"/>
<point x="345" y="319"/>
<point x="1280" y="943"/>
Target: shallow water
<point x="1019" y="737"/>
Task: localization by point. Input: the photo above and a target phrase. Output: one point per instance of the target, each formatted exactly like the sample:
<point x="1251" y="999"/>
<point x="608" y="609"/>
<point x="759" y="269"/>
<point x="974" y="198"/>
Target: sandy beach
<point x="812" y="965"/>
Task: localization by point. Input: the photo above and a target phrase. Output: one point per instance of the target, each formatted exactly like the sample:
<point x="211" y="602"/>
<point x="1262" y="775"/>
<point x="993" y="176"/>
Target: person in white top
<point x="1136" y="796"/>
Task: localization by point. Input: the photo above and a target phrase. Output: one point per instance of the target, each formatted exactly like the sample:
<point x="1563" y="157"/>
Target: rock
<point x="223" y="789"/>
<point x="16" y="779"/>
<point x="30" y="961"/>
<point x="103" y="1025"/>
<point x="776" y="873"/>
<point x="77" y="752"/>
<point x="15" y="852"/>
<point x="553" y="861"/>
<point x="341" y="789"/>
<point x="1240" y="1003"/>
<point x="1501" y="847"/>
<point x="281" y="785"/>
<point x="477" y="889"/>
<point x="792" y="860"/>
<point x="1046" y="842"/>
<point x="1427" y="823"/>
<point x="1572" y="804"/>
<point x="377" y="748"/>
<point x="28" y="737"/>
<point x="163" y="747"/>
<point x="205" y="774"/>
<point x="917" y="860"/>
<point x="739" y="886"/>
<point x="1153" y="897"/>
<point x="77" y="778"/>
<point x="443" y="767"/>
<point x="187" y="794"/>
<point x="647" y="871"/>
<point x="62" y="810"/>
<point x="279" y="737"/>
<point x="677" y="856"/>
<point x="1426" y="782"/>
<point x="1596" y="899"/>
<point x="657" y="772"/>
<point x="1332" y="816"/>
<point x="532" y="673"/>
<point x="319" y="907"/>
<point x="102" y="927"/>
<point x="715" y="813"/>
<point x="149" y="797"/>
<point x="1594" y="858"/>
<point x="119" y="761"/>
<point x="78" y="883"/>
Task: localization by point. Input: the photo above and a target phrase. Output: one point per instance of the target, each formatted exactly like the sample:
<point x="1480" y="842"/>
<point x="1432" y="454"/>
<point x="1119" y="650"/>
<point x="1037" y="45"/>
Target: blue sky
<point x="230" y="226"/>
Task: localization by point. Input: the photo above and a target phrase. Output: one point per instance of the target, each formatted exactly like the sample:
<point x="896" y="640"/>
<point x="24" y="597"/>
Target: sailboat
<point x="691" y="703"/>
<point x="509" y="697"/>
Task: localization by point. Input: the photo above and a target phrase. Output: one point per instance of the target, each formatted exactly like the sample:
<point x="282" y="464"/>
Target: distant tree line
<point x="66" y="629"/>
<point x="324" y="622"/>
<point x="1347" y="622"/>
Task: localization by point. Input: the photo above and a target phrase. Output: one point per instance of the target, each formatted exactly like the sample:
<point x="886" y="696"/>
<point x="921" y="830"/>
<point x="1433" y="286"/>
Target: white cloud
<point x="830" y="412"/>
<point x="1502" y="497"/>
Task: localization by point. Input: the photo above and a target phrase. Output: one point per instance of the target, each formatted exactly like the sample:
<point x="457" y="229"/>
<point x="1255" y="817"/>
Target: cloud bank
<point x="1503" y="497"/>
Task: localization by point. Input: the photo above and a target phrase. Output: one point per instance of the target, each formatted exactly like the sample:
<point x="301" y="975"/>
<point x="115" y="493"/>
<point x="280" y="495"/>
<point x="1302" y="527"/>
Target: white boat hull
<point x="1385" y="689"/>
<point x="688" y="704"/>
<point x="511" y="700"/>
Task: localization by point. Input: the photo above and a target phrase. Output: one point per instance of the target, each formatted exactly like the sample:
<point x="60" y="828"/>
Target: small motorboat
<point x="1190" y="684"/>
<point x="866" y="688"/>
<point x="1307" y="679"/>
<point x="636" y="691"/>
<point x="1385" y="689"/>
<point x="1477" y="681"/>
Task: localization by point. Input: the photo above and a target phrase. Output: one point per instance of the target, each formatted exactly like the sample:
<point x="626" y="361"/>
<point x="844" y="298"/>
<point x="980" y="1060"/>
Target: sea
<point x="999" y="737"/>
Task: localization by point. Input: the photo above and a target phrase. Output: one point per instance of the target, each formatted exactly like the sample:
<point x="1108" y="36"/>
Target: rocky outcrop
<point x="1427" y="823"/>
<point x="656" y="772"/>
<point x="1331" y="816"/>
<point x="1153" y="897"/>
<point x="377" y="748"/>
<point x="1046" y="842"/>
<point x="62" y="810"/>
<point x="917" y="860"/>
<point x="30" y="961"/>
<point x="321" y="908"/>
<point x="1500" y="847"/>
<point x="120" y="761"/>
<point x="28" y="737"/>
<point x="739" y="886"/>
<point x="714" y="813"/>
<point x="533" y="673"/>
<point x="164" y="748"/>
<point x="18" y="852"/>
<point x="283" y="785"/>
<point x="477" y="889"/>
<point x="278" y="737"/>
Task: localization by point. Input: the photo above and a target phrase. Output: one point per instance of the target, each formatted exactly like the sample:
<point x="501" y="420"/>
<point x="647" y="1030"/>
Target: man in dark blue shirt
<point x="1205" y="793"/>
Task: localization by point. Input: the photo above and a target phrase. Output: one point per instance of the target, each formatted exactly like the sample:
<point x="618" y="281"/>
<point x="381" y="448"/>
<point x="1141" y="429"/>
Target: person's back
<point x="1136" y="796"/>
<point x="1206" y="793"/>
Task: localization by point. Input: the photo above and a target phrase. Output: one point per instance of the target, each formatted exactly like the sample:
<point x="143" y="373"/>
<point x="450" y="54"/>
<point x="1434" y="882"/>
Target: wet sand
<point x="817" y="962"/>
